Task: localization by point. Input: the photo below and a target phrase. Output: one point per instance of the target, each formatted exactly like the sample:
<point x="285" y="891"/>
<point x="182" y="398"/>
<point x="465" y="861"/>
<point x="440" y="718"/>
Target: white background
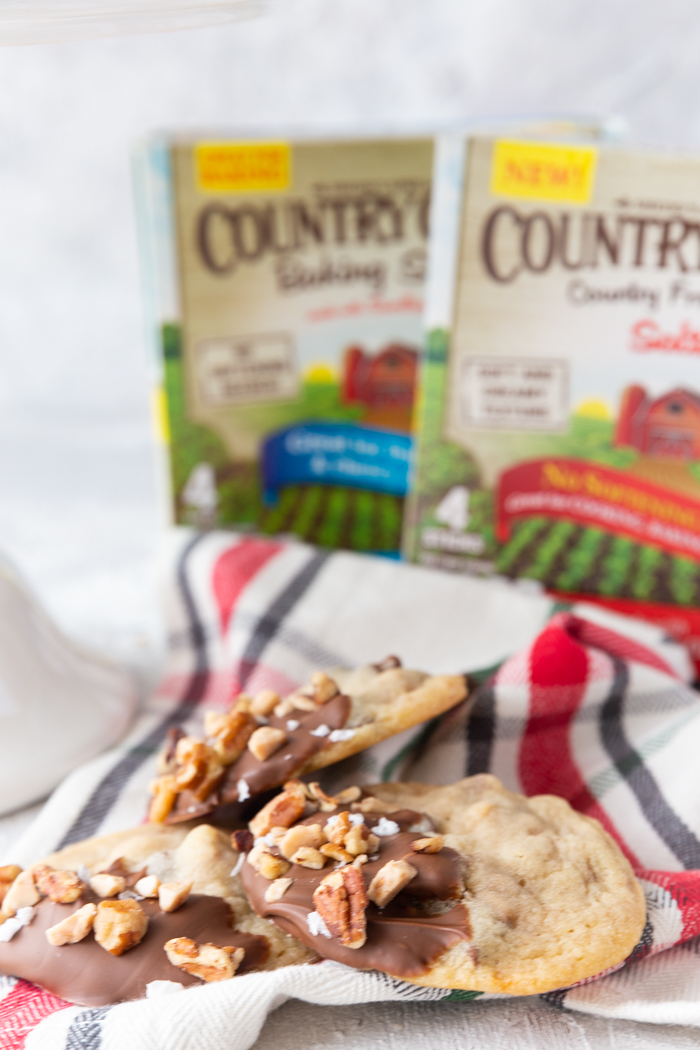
<point x="79" y="508"/>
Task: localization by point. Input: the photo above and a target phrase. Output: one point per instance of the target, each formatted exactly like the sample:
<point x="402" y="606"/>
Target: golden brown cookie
<point x="152" y="904"/>
<point x="466" y="886"/>
<point x="264" y="740"/>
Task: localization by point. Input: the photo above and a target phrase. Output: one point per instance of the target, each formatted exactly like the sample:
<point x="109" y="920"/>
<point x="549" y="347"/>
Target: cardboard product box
<point x="285" y="280"/>
<point x="560" y="393"/>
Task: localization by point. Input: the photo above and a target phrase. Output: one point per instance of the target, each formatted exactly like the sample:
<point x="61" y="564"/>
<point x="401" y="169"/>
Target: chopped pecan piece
<point x="147" y="886"/>
<point x="199" y="767"/>
<point x="308" y="857"/>
<point x="164" y="793"/>
<point x="276" y="890"/>
<point x="433" y="844"/>
<point x="105" y="885"/>
<point x="62" y="887"/>
<point x="21" y="894"/>
<point x="265" y="741"/>
<point x="282" y="811"/>
<point x="264" y="702"/>
<point x="232" y="737"/>
<point x="8" y="874"/>
<point x="340" y="900"/>
<point x="357" y="839"/>
<point x="390" y="880"/>
<point x="271" y="867"/>
<point x="337" y="828"/>
<point x="300" y="702"/>
<point x="335" y="852"/>
<point x="74" y="928"/>
<point x="327" y="803"/>
<point x="119" y="925"/>
<point x="350" y="794"/>
<point x="324" y="688"/>
<point x="172" y="895"/>
<point x="301" y="835"/>
<point x="209" y="962"/>
<point x="242" y="840"/>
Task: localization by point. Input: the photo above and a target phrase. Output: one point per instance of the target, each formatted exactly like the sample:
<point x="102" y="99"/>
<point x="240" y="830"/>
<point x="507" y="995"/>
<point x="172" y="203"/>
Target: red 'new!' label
<point x="600" y="497"/>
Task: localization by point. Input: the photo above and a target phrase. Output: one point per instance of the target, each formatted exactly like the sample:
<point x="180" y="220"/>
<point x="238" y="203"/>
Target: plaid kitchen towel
<point x="588" y="705"/>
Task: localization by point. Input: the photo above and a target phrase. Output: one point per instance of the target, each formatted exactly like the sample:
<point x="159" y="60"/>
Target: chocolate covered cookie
<point x="264" y="740"/>
<point x="467" y="886"/>
<point x="99" y="921"/>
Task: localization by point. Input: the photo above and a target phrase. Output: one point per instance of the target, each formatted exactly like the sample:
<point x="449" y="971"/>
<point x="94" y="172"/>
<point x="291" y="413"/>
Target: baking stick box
<point x="285" y="288"/>
<point x="559" y="420"/>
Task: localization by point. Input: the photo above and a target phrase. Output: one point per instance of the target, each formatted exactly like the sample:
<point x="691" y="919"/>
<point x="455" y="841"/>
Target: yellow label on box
<point x="238" y="167"/>
<point x="545" y="172"/>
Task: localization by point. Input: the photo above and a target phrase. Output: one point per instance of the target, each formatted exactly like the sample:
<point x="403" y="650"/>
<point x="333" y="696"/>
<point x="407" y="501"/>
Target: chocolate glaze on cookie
<point x="406" y="936"/>
<point x="86" y="974"/>
<point x="280" y="766"/>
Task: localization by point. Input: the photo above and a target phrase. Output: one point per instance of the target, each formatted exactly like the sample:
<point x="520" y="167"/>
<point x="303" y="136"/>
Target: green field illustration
<point x="562" y="555"/>
<point x="327" y="515"/>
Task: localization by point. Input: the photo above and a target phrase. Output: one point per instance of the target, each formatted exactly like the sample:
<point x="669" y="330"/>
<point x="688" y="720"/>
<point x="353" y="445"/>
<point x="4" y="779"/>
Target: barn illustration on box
<point x="384" y="383"/>
<point x="665" y="427"/>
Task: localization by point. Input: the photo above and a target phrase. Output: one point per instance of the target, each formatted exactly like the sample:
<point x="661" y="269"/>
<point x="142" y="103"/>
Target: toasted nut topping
<point x="9" y="872"/>
<point x="371" y="805"/>
<point x="62" y="887"/>
<point x="372" y="843"/>
<point x="276" y="890"/>
<point x="301" y="835"/>
<point x="340" y="900"/>
<point x="199" y="767"/>
<point x="271" y="867"/>
<point x="209" y="962"/>
<point x="256" y="853"/>
<point x="242" y="840"/>
<point x="359" y="860"/>
<point x="390" y="880"/>
<point x="336" y="852"/>
<point x="264" y="702"/>
<point x="148" y="886"/>
<point x="119" y="925"/>
<point x="265" y="741"/>
<point x="300" y="702"/>
<point x="282" y="811"/>
<point x="337" y="828"/>
<point x="74" y="928"/>
<point x="21" y="894"/>
<point x="309" y="857"/>
<point x="105" y="885"/>
<point x="172" y="895"/>
<point x="164" y="794"/>
<point x="350" y="794"/>
<point x="231" y="739"/>
<point x="284" y="708"/>
<point x="430" y="845"/>
<point x="356" y="840"/>
<point x="327" y="802"/>
<point x="324" y="687"/>
<point x="214" y="722"/>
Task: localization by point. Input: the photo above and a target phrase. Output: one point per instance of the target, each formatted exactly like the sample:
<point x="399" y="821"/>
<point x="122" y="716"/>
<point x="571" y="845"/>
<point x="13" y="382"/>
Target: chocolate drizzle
<point x="273" y="771"/>
<point x="404" y="938"/>
<point x="86" y="974"/>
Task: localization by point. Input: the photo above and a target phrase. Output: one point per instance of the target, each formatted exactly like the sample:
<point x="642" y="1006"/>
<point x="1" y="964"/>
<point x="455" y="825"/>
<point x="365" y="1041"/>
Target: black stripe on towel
<point x="630" y="765"/>
<point x="481" y="731"/>
<point x="107" y="792"/>
<point x="85" y="1032"/>
<point x="273" y="618"/>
